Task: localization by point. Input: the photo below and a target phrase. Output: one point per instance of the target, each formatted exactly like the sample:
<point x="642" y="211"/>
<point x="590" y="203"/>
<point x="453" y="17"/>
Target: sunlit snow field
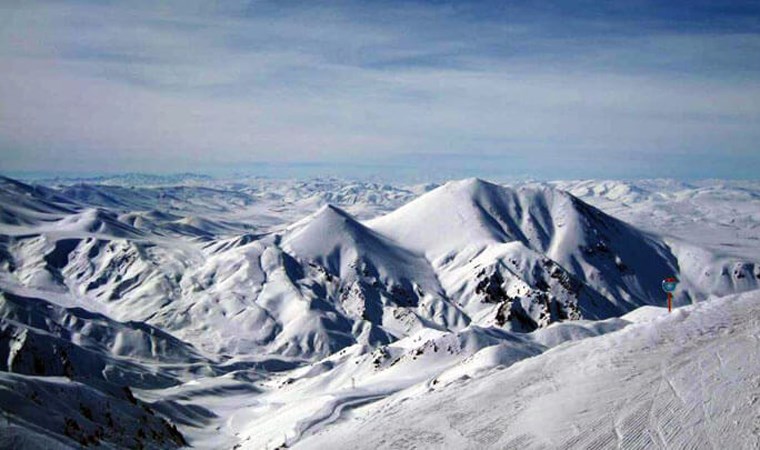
<point x="330" y="313"/>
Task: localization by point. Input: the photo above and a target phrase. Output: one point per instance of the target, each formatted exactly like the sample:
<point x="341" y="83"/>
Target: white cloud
<point x="96" y="86"/>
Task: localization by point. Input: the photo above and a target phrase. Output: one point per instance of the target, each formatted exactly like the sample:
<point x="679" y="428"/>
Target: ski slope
<point x="686" y="380"/>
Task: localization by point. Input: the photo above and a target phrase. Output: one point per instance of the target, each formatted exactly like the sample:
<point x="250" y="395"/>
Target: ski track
<point x="675" y="395"/>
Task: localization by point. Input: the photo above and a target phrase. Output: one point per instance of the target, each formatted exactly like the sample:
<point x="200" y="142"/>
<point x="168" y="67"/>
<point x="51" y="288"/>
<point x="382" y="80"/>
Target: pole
<point x="670" y="302"/>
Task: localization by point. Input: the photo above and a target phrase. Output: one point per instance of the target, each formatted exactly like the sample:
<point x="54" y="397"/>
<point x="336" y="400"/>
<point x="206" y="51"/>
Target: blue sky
<point x="539" y="89"/>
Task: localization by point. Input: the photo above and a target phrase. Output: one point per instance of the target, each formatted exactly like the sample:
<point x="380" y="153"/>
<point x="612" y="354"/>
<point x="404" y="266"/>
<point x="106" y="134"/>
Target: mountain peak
<point x="475" y="213"/>
<point x="454" y="216"/>
<point x="327" y="216"/>
<point x="98" y="221"/>
<point x="469" y="182"/>
<point x="471" y="186"/>
<point x="324" y="231"/>
<point x="329" y="209"/>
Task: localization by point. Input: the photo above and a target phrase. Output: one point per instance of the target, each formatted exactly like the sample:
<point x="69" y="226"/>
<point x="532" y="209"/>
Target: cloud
<point x="202" y="85"/>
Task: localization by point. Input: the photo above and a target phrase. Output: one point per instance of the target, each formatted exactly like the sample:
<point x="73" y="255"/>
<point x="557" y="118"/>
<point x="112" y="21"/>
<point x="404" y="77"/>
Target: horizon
<point x="43" y="177"/>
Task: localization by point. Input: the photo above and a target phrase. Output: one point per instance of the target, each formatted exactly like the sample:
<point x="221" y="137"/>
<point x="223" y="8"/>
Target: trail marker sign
<point x="669" y="286"/>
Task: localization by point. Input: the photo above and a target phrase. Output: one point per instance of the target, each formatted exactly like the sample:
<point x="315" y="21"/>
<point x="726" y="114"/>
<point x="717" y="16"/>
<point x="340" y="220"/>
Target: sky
<point x="499" y="89"/>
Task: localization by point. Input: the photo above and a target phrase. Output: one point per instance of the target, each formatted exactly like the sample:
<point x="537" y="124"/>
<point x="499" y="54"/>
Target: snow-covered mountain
<point x="685" y="380"/>
<point x="548" y="242"/>
<point x="198" y="293"/>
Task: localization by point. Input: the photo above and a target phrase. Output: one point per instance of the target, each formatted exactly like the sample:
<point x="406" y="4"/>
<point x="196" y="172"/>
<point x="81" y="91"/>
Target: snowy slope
<point x="722" y="216"/>
<point x="685" y="380"/>
<point x="372" y="270"/>
<point x="258" y="312"/>
<point x="58" y="413"/>
<point x="314" y="396"/>
<point x="466" y="252"/>
<point x="66" y="374"/>
<point x="568" y="258"/>
<point x="22" y="204"/>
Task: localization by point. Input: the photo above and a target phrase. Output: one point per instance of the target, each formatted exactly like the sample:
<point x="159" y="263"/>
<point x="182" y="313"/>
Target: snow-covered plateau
<point x="162" y="312"/>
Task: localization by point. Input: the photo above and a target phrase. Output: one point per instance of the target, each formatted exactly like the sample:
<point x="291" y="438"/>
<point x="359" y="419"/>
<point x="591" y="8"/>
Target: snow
<point x="331" y="313"/>
<point x="684" y="380"/>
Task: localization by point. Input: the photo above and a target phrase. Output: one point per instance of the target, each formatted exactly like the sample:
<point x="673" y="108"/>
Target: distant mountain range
<point x="148" y="287"/>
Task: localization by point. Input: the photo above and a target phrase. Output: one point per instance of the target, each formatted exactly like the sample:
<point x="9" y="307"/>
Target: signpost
<point x="669" y="285"/>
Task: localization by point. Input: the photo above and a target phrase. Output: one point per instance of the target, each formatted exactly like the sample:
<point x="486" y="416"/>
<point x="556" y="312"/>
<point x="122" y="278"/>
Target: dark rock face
<point x="551" y="296"/>
<point x="490" y="287"/>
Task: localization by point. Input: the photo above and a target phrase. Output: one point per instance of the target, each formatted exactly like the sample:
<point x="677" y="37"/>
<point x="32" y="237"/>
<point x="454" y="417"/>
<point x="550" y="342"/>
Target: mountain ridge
<point x="269" y="332"/>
